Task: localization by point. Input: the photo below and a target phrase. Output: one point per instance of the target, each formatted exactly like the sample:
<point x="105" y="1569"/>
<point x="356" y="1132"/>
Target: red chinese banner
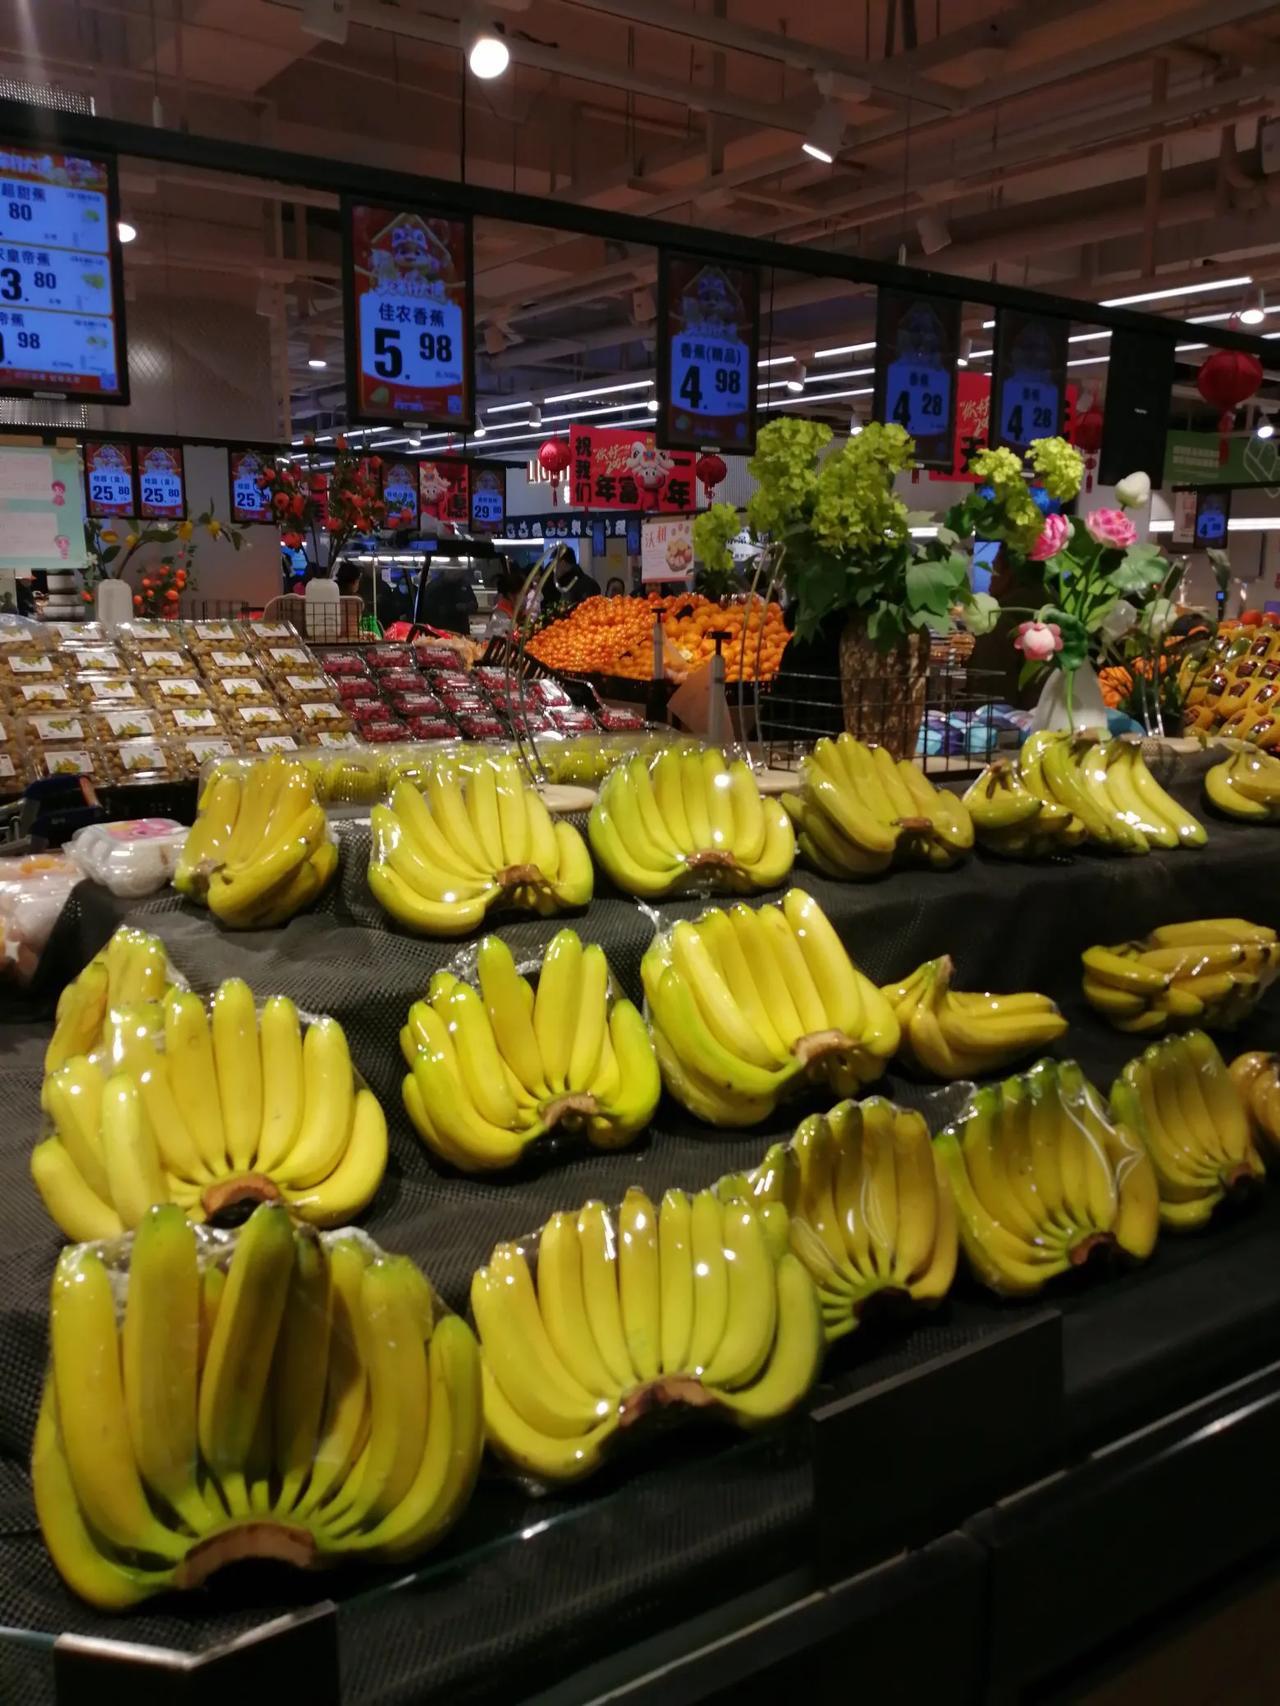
<point x="444" y="487"/>
<point x="622" y="468"/>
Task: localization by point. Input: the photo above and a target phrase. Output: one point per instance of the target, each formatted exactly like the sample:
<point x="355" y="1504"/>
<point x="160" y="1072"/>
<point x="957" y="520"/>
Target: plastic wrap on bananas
<point x="260" y="850"/>
<point x="872" y="1217"/>
<point x="1108" y="788"/>
<point x="949" y="1034"/>
<point x="270" y="1393"/>
<point x="209" y="1105"/>
<point x="1245" y="785"/>
<point x="1257" y="1077"/>
<point x="751" y="1004"/>
<point x="476" y="837"/>
<point x="608" y="1316"/>
<point x="1043" y="1179"/>
<point x="132" y="971"/>
<point x="858" y="811"/>
<point x="1010" y="820"/>
<point x="1210" y="971"/>
<point x="1193" y="1119"/>
<point x="688" y="821"/>
<point x="495" y="1064"/>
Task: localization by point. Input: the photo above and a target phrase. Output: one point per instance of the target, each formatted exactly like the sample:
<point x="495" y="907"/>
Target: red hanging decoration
<point x="554" y="456"/>
<point x="1088" y="440"/>
<point x="1226" y="379"/>
<point x="710" y="469"/>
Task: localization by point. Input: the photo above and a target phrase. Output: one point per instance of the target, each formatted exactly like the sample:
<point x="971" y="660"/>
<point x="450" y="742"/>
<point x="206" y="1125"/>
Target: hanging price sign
<point x="1213" y="511"/>
<point x="488" y="496"/>
<point x="708" y="338"/>
<point x="917" y="343"/>
<point x="407" y="275"/>
<point x="249" y="500"/>
<point x="161" y="493"/>
<point x="108" y="473"/>
<point x="400" y="490"/>
<point x="1029" y="383"/>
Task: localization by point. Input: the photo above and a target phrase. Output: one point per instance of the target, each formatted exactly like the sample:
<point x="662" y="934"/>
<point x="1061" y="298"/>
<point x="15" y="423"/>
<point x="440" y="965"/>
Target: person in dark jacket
<point x="570" y="584"/>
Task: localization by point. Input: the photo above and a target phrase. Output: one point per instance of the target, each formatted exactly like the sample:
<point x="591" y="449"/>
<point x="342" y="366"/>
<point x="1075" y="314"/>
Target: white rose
<point x="1134" y="491"/>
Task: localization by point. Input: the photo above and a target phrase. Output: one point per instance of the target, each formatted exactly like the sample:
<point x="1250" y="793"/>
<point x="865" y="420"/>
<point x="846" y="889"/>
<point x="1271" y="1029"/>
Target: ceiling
<point x="1097" y="150"/>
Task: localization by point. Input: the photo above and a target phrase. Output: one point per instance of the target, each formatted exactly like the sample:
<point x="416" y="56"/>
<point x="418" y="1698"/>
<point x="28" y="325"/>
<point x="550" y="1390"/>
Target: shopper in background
<point x="348" y="579"/>
<point x="570" y="584"/>
<point x="615" y="587"/>
<point x="446" y="600"/>
<point x="502" y="618"/>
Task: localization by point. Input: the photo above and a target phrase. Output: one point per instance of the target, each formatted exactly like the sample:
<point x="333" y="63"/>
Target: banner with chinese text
<point x="622" y="468"/>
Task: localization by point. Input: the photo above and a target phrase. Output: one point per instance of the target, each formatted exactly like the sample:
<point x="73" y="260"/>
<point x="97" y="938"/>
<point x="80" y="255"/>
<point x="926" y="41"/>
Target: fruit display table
<point x="688" y="1518"/>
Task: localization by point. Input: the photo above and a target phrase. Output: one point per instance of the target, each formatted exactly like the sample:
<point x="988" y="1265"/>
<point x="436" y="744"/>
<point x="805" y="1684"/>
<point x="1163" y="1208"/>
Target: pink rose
<point x="1038" y="640"/>
<point x="1053" y="537"/>
<point x="1111" y="527"/>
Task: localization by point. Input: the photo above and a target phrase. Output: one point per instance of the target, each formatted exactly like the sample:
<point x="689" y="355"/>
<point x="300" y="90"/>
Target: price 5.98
<point x="433" y="348"/>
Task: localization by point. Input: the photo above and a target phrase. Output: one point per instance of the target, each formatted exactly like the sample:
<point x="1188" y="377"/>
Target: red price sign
<point x="249" y="501"/>
<point x="108" y="474"/>
<point x="408" y="316"/>
<point x="161" y="492"/>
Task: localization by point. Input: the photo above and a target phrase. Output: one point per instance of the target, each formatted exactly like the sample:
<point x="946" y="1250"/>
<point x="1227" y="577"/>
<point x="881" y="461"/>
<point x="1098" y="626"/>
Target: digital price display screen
<point x="161" y="487"/>
<point x="708" y="339"/>
<point x="249" y="500"/>
<point x="917" y="343"/>
<point x="1029" y="385"/>
<point x="108" y="478"/>
<point x="408" y="294"/>
<point x="61" y="281"/>
<point x="1213" y="512"/>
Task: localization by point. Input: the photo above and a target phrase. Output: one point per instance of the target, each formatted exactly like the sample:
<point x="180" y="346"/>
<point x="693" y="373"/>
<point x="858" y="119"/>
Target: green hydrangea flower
<point x="1059" y="465"/>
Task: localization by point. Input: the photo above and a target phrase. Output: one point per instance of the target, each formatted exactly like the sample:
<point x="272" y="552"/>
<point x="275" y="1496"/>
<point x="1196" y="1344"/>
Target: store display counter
<point x="702" y="1561"/>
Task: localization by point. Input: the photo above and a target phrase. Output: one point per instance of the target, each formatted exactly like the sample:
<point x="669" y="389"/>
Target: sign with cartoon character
<point x="620" y="468"/>
<point x="249" y="500"/>
<point x="708" y="338"/>
<point x="41" y="520"/>
<point x="400" y="490"/>
<point x="61" y="282"/>
<point x="444" y="489"/>
<point x="488" y="497"/>
<point x="1029" y="377"/>
<point x="407" y="276"/>
<point x="108" y="475"/>
<point x="917" y="342"/>
<point x="161" y="491"/>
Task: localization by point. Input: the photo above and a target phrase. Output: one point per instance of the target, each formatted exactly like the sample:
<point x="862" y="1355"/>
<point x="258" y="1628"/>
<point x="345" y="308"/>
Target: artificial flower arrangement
<point x="109" y="552"/>
<point x="353" y="489"/>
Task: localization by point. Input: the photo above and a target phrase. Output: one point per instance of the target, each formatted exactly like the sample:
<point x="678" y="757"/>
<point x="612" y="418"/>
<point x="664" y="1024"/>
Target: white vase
<point x="114" y="601"/>
<point x="1088" y="710"/>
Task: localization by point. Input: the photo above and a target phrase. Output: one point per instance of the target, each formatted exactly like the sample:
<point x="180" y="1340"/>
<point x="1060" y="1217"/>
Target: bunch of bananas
<point x="860" y="811"/>
<point x="949" y="1034"/>
<point x="207" y="1112"/>
<point x="259" y="850"/>
<point x="1042" y="1179"/>
<point x="477" y="837"/>
<point x="299" y="1401"/>
<point x="1211" y="971"/>
<point x="1180" y="1100"/>
<point x="1107" y="786"/>
<point x="1245" y="785"/>
<point x="747" y="1005"/>
<point x="490" y="1072"/>
<point x="1010" y="820"/>
<point x="699" y="1302"/>
<point x="688" y="817"/>
<point x="1257" y="1077"/>
<point x="131" y="971"/>
<point x="871" y="1216"/>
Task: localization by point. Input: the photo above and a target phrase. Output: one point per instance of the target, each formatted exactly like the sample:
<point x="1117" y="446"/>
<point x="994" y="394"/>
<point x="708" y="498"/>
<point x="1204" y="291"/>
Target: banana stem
<point x="246" y="1187"/>
<point x="273" y="1540"/>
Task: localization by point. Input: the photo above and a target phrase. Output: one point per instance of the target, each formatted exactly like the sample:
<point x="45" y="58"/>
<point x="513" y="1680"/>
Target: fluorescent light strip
<point x="845" y="373"/>
<point x="1237" y="524"/>
<point x="599" y="391"/>
<point x="1178" y="290"/>
<point x="806" y="397"/>
<point x="773" y="385"/>
<point x="1180" y="349"/>
<point x="776" y="361"/>
<point x="504" y="408"/>
<point x="843" y="349"/>
<point x="1090" y="361"/>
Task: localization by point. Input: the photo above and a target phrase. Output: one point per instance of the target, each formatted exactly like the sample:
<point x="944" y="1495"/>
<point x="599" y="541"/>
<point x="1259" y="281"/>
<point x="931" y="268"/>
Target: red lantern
<point x="1226" y="379"/>
<point x="710" y="469"/>
<point x="554" y="457"/>
<point x="1088" y="439"/>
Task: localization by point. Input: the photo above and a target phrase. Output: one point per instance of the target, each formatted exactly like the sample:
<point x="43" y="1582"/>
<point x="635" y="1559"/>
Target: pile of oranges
<point x="614" y="636"/>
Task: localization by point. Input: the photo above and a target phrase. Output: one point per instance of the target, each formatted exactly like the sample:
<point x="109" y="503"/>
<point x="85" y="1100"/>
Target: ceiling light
<point x="126" y="232"/>
<point x="480" y="431"/>
<point x="842" y="349"/>
<point x="1176" y="290"/>
<point x="855" y="424"/>
<point x="535" y="417"/>
<point x="826" y="133"/>
<point x="776" y="361"/>
<point x="1264" y="429"/>
<point x="415" y="441"/>
<point x="797" y="379"/>
<point x="505" y="408"/>
<point x="1254" y="311"/>
<point x="598" y="391"/>
<point x="652" y="405"/>
<point x="934" y="233"/>
<point x="315" y="352"/>
<point x="487" y="53"/>
<point x="966" y="350"/>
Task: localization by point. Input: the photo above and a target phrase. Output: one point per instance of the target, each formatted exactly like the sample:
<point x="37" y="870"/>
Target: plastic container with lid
<point x="49" y="694"/>
<point x="22" y="664"/>
<point x="131" y="858"/>
<point x="190" y="720"/>
<point x="56" y="728"/>
<point x="109" y="660"/>
<point x="191" y="755"/>
<point x="139" y="761"/>
<point x="68" y="760"/>
<point x="130" y="722"/>
<point x="271" y="633"/>
<point x="177" y="690"/>
<point x="240" y="690"/>
<point x="281" y="660"/>
<point x="299" y="689"/>
<point x="33" y="891"/>
<point x="97" y="692"/>
<point x="225" y="660"/>
<point x="321" y="713"/>
<point x="154" y="659"/>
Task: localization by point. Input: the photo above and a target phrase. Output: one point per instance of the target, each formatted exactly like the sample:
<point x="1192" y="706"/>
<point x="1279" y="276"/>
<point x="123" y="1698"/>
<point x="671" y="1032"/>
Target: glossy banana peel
<point x="1043" y="1179"/>
<point x="692" y="1303"/>
<point x="950" y="1034"/>
<point x="207" y="1109"/>
<point x="309" y="1406"/>
<point x="131" y="971"/>
<point x="1257" y="1077"/>
<point x="1105" y="786"/>
<point x="749" y="1005"/>
<point x="1209" y="972"/>
<point x="1245" y="785"/>
<point x="1011" y="820"/>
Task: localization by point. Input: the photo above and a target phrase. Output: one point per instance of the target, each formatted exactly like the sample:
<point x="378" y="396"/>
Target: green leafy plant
<point x="713" y="532"/>
<point x="110" y="548"/>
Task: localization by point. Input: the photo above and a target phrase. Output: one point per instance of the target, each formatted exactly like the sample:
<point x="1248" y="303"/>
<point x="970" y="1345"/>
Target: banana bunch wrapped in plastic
<point x="131" y="971"/>
<point x="207" y="1110"/>
<point x="871" y="1215"/>
<point x="1107" y="786"/>
<point x="1210" y="971"/>
<point x="1245" y="785"/>
<point x="493" y="1070"/>
<point x="1257" y="1077"/>
<point x="1043" y="1180"/>
<point x="1193" y="1120"/>
<point x="688" y="817"/>
<point x="748" y="1005"/>
<point x="1010" y="820"/>
<point x="264" y="1394"/>
<point x="859" y="811"/>
<point x="259" y="850"/>
<point x="478" y="837"/>
<point x="949" y="1034"/>
<point x="698" y="1302"/>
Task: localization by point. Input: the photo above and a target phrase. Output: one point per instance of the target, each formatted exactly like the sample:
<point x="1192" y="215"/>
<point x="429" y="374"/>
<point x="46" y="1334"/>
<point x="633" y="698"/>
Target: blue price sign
<point x="1211" y="518"/>
<point x="919" y="397"/>
<point x="917" y="339"/>
<point x="709" y="378"/>
<point x="1028" y="409"/>
<point x="708" y="323"/>
<point x="1029" y="381"/>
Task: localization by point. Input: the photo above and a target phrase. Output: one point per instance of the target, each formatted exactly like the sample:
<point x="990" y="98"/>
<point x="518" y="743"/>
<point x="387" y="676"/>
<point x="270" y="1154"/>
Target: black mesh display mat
<point x="526" y="1589"/>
